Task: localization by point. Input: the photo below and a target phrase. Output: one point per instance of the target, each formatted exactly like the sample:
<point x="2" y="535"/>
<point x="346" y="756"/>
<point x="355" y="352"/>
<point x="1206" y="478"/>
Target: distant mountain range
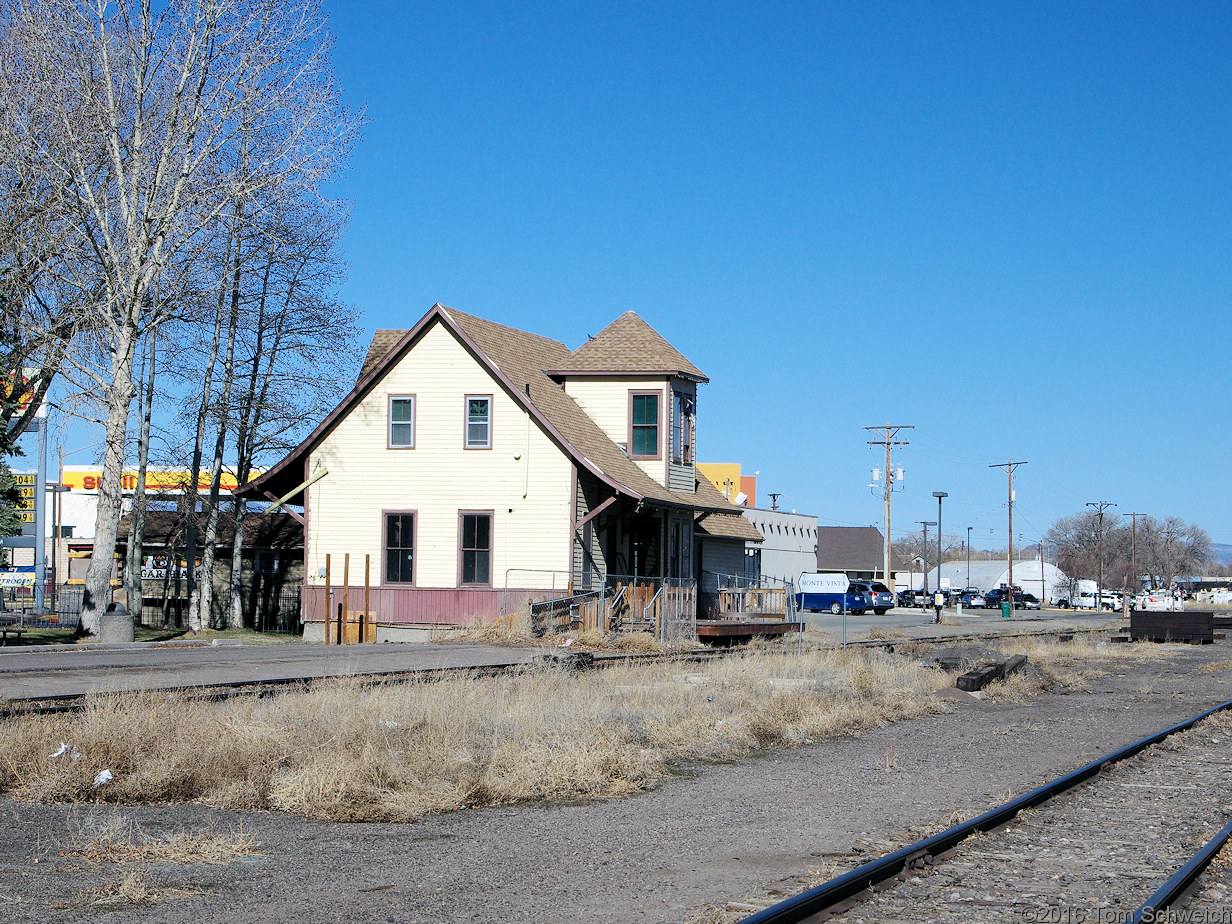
<point x="1222" y="551"/>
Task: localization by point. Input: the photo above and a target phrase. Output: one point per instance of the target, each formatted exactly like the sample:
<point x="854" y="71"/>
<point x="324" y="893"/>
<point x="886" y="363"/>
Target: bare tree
<point x="150" y="103"/>
<point x="1171" y="548"/>
<point x="298" y="349"/>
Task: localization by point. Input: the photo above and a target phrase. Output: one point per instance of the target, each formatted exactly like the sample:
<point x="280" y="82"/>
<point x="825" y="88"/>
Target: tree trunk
<point x="136" y="525"/>
<point x="194" y="475"/>
<point x="107" y="520"/>
<point x="203" y="609"/>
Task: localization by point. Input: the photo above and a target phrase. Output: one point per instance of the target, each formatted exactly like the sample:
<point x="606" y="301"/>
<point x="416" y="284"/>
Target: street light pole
<point x="939" y="495"/>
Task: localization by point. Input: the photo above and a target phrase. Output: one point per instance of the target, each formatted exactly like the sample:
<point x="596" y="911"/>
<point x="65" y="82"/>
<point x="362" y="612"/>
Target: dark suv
<point x="877" y="595"/>
<point x="994" y="598"/>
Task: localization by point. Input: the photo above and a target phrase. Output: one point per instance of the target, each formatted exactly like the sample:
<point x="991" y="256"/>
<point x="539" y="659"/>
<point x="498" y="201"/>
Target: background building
<point x="789" y="544"/>
<point x="989" y="575"/>
<point x="858" y="550"/>
<point x="740" y="489"/>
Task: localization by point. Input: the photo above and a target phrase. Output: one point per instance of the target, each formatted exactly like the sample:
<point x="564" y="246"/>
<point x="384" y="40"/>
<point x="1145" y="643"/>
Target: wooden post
<point x="363" y="619"/>
<point x="346" y="591"/>
<point x="328" y="615"/>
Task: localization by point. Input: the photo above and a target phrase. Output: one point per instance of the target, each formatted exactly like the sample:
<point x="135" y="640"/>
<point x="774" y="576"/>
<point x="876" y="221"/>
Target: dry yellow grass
<point x="345" y="751"/>
<point x="116" y="842"/>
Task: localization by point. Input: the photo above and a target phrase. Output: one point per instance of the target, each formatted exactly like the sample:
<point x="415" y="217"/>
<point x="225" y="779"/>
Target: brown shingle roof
<point x="629" y="344"/>
<point x="261" y="531"/>
<point x="523" y="357"/>
<point x="382" y="342"/>
<point x="722" y="525"/>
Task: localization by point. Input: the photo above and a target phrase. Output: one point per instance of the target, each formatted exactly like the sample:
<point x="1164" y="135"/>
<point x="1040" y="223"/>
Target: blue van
<point x="830" y="591"/>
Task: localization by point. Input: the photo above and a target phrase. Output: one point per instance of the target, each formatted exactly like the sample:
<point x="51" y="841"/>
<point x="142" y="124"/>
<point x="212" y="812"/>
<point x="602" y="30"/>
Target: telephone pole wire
<point x="1008" y="468"/>
<point x="889" y="441"/>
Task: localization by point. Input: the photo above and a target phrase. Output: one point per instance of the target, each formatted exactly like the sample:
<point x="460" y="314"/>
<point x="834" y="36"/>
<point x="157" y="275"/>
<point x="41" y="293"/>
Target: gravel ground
<point x="713" y="834"/>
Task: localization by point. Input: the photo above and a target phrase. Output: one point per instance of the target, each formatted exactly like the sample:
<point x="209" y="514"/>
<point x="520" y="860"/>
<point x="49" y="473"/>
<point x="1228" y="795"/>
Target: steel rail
<point x="225" y="689"/>
<point x="851" y="884"/>
<point x="1172" y="890"/>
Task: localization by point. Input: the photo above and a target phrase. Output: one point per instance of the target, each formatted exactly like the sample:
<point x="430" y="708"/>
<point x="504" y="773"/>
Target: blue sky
<point x="1006" y="224"/>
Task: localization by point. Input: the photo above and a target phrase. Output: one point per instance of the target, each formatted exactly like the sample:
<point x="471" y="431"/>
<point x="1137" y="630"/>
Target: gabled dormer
<point x="642" y="393"/>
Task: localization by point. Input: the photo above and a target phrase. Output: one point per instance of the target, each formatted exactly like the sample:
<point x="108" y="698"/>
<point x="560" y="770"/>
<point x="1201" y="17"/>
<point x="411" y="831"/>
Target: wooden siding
<point x="680" y="477"/>
<point x="449" y="606"/>
<point x="590" y="493"/>
<point x="606" y="401"/>
<point x="723" y="556"/>
<point x="525" y="478"/>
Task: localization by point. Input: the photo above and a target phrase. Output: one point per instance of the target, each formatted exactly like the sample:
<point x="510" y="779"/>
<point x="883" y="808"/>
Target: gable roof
<point x="382" y="342"/>
<point x="628" y="345"/>
<point x="516" y="359"/>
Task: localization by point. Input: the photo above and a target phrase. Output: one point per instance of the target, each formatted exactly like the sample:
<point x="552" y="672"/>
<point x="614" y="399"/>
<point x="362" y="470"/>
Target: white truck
<point x="1081" y="596"/>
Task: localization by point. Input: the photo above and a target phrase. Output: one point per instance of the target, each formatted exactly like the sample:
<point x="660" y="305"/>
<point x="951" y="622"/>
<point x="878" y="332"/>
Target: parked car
<point x="994" y="598"/>
<point x="830" y="591"/>
<point x="876" y="595"/>
<point x="973" y="600"/>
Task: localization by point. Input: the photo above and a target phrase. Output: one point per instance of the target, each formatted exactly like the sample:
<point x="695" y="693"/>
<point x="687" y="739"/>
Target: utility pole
<point x="889" y="441"/>
<point x="968" y="585"/>
<point x="1099" y="584"/>
<point x="1133" y="544"/>
<point x="1043" y="589"/>
<point x="1008" y="468"/>
<point x="774" y="500"/>
<point x="926" y="524"/>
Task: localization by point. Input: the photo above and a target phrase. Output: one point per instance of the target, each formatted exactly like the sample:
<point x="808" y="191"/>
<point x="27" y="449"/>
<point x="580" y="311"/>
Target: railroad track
<point x="1120" y="839"/>
<point x="580" y="660"/>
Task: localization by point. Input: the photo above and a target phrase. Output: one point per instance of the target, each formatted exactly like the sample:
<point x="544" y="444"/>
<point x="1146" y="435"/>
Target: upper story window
<point x="644" y="424"/>
<point x="478" y="421"/>
<point x="402" y="422"/>
<point x="683" y="427"/>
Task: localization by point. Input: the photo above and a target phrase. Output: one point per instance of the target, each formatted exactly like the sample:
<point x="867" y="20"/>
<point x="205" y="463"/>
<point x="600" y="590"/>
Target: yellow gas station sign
<point x="80" y="480"/>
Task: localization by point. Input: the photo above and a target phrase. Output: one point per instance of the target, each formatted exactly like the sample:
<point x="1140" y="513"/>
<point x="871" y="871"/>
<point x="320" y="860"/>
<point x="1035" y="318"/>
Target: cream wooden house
<point x="473" y="462"/>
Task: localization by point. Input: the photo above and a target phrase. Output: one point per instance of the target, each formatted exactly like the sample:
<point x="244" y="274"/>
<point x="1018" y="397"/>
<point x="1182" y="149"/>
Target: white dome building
<point x="988" y="575"/>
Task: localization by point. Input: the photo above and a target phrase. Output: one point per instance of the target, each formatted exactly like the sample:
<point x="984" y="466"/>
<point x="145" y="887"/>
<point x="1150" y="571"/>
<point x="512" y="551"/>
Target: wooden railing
<point x="761" y="601"/>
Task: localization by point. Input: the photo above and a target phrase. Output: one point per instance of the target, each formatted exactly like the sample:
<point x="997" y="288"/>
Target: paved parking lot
<point x="919" y="623"/>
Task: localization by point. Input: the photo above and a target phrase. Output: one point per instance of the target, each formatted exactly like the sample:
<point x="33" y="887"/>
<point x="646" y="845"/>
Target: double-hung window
<point x="475" y="549"/>
<point x="644" y="425"/>
<point x="478" y="421"/>
<point x="402" y="422"/>
<point x="400" y="548"/>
